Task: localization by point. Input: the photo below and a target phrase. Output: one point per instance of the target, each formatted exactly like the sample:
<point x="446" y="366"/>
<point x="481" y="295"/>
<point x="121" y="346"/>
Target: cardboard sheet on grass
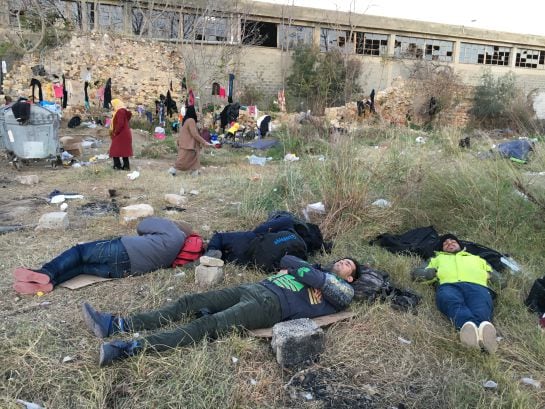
<point x="83" y="280"/>
<point x="322" y="321"/>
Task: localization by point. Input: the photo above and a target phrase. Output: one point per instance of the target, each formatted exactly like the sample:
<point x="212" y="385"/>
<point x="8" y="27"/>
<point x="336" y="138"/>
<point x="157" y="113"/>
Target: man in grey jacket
<point x="158" y="243"/>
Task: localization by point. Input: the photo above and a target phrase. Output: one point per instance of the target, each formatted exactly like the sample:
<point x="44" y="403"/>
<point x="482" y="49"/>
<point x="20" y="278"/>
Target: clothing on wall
<point x="231" y="85"/>
<point x="58" y="90"/>
<point x="35" y="83"/>
<point x="64" y="92"/>
<point x="108" y="94"/>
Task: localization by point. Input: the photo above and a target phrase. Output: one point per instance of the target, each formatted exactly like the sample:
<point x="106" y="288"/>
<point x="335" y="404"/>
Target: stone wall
<point x="139" y="70"/>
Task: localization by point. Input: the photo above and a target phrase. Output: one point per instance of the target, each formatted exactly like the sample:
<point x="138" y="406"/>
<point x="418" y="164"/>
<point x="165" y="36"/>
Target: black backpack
<point x="309" y="232"/>
<point x="536" y="298"/>
<point x="74" y="122"/>
<point x="374" y="285"/>
<point x="267" y="249"/>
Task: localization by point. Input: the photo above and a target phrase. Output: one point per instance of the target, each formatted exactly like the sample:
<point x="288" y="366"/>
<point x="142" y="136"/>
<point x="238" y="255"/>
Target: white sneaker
<point x="469" y="335"/>
<point x="487" y="337"/>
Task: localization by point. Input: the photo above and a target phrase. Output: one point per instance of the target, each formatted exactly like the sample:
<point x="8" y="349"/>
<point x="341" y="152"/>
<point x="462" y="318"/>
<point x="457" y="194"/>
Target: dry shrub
<point x="429" y="79"/>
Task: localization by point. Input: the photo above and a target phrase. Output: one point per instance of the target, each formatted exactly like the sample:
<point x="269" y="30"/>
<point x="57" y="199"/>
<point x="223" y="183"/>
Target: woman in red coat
<point x="120" y="132"/>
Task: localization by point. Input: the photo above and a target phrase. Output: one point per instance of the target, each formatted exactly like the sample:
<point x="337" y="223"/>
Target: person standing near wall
<point x="120" y="132"/>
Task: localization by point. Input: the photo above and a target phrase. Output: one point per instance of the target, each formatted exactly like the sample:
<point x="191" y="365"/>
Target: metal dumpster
<point x="37" y="138"/>
<point x="3" y="131"/>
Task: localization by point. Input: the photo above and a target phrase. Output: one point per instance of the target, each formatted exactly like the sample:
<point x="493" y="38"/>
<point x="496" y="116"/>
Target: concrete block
<point x="296" y="341"/>
<point x="211" y="261"/>
<point x="28" y="179"/>
<point x="206" y="276"/>
<point x="53" y="220"/>
<point x="175" y="200"/>
<point x="134" y="212"/>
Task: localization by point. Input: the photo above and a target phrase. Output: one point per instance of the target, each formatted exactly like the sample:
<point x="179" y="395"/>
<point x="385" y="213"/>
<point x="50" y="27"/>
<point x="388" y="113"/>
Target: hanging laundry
<point x="191" y="98"/>
<point x="64" y="92"/>
<point x="108" y="94"/>
<point x="222" y="93"/>
<point x="215" y="88"/>
<point x="35" y="83"/>
<point x="231" y="85"/>
<point x="58" y="90"/>
<point x="86" y="95"/>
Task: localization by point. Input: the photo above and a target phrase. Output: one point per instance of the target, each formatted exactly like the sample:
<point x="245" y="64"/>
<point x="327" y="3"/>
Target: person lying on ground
<point x="463" y="294"/>
<point x="299" y="290"/>
<point x="158" y="243"/>
<point x="265" y="245"/>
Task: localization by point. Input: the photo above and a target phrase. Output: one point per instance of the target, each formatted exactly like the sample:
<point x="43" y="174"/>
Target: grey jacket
<point x="158" y="243"/>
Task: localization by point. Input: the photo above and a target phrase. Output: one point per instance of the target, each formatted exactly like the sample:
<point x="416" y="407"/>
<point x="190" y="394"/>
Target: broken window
<point x="530" y="59"/>
<point x="259" y="33"/>
<point x="137" y="22"/>
<point x="206" y="28"/>
<point x="110" y="18"/>
<point x="333" y="39"/>
<point x="484" y="54"/>
<point x="423" y="48"/>
<point x="90" y="10"/>
<point x="292" y="36"/>
<point x="371" y="43"/>
<point x="165" y="24"/>
<point x="68" y="10"/>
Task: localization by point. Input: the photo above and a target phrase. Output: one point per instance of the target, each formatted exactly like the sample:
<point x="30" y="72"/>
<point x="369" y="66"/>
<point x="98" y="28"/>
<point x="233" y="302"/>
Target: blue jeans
<point x="102" y="258"/>
<point x="462" y="302"/>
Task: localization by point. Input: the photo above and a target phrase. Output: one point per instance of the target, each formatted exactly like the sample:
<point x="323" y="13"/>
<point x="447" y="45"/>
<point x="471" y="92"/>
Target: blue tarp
<point x="518" y="149"/>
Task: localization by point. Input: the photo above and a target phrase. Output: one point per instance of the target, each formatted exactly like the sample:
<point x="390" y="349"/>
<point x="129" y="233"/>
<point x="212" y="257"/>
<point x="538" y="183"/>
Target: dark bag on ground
<point x="374" y="285"/>
<point x="266" y="250"/>
<point x="420" y="241"/>
<point x="536" y="298"/>
<point x="309" y="232"/>
<point x="74" y="122"/>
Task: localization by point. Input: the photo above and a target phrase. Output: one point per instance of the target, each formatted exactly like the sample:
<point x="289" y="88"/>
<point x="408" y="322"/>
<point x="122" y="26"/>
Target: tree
<point x="319" y="80"/>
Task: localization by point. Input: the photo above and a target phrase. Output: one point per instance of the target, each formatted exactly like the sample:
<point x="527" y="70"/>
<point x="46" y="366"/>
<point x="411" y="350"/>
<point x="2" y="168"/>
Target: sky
<point x="520" y="16"/>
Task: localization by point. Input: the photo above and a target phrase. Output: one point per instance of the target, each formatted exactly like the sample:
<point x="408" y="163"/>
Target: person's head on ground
<point x="117" y="104"/>
<point x="184" y="226"/>
<point x="449" y="243"/>
<point x="347" y="268"/>
<point x="190" y="113"/>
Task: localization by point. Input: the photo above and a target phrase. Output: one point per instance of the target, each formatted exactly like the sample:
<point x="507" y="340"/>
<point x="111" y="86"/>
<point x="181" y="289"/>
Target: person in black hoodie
<point x="298" y="290"/>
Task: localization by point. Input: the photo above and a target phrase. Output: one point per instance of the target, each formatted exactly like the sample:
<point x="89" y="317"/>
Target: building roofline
<point x="345" y="19"/>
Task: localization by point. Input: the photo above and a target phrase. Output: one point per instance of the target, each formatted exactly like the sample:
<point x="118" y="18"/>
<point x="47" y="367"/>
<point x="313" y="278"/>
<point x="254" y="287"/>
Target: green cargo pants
<point x="248" y="306"/>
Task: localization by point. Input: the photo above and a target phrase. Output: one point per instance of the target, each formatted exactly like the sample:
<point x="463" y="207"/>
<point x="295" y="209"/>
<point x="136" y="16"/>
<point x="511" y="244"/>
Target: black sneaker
<point x="115" y="350"/>
<point x="99" y="323"/>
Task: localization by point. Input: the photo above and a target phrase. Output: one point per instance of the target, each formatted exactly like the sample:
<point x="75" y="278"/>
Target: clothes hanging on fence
<point x="35" y="83"/>
<point x="108" y="94"/>
<point x="64" y="92"/>
<point x="231" y="85"/>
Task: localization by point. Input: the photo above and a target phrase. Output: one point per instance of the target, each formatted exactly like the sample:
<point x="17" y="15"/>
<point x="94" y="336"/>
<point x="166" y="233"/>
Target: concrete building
<point x="386" y="46"/>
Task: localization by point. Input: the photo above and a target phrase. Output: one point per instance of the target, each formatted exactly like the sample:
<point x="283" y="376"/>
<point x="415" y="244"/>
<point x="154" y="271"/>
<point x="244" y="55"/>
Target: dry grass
<point x="435" y="183"/>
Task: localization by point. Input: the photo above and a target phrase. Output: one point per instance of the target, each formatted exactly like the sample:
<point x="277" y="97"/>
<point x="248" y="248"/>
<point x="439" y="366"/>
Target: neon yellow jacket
<point x="460" y="267"/>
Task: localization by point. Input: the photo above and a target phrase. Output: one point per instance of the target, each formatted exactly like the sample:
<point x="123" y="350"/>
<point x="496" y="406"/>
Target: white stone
<point x="175" y="200"/>
<point x="53" y="220"/>
<point x="134" y="212"/>
<point x="211" y="261"/>
<point x="208" y="276"/>
<point x="28" y="179"/>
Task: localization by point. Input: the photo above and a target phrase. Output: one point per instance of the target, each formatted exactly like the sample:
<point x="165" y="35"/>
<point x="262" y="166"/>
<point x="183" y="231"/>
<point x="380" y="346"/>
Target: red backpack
<point x="191" y="250"/>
